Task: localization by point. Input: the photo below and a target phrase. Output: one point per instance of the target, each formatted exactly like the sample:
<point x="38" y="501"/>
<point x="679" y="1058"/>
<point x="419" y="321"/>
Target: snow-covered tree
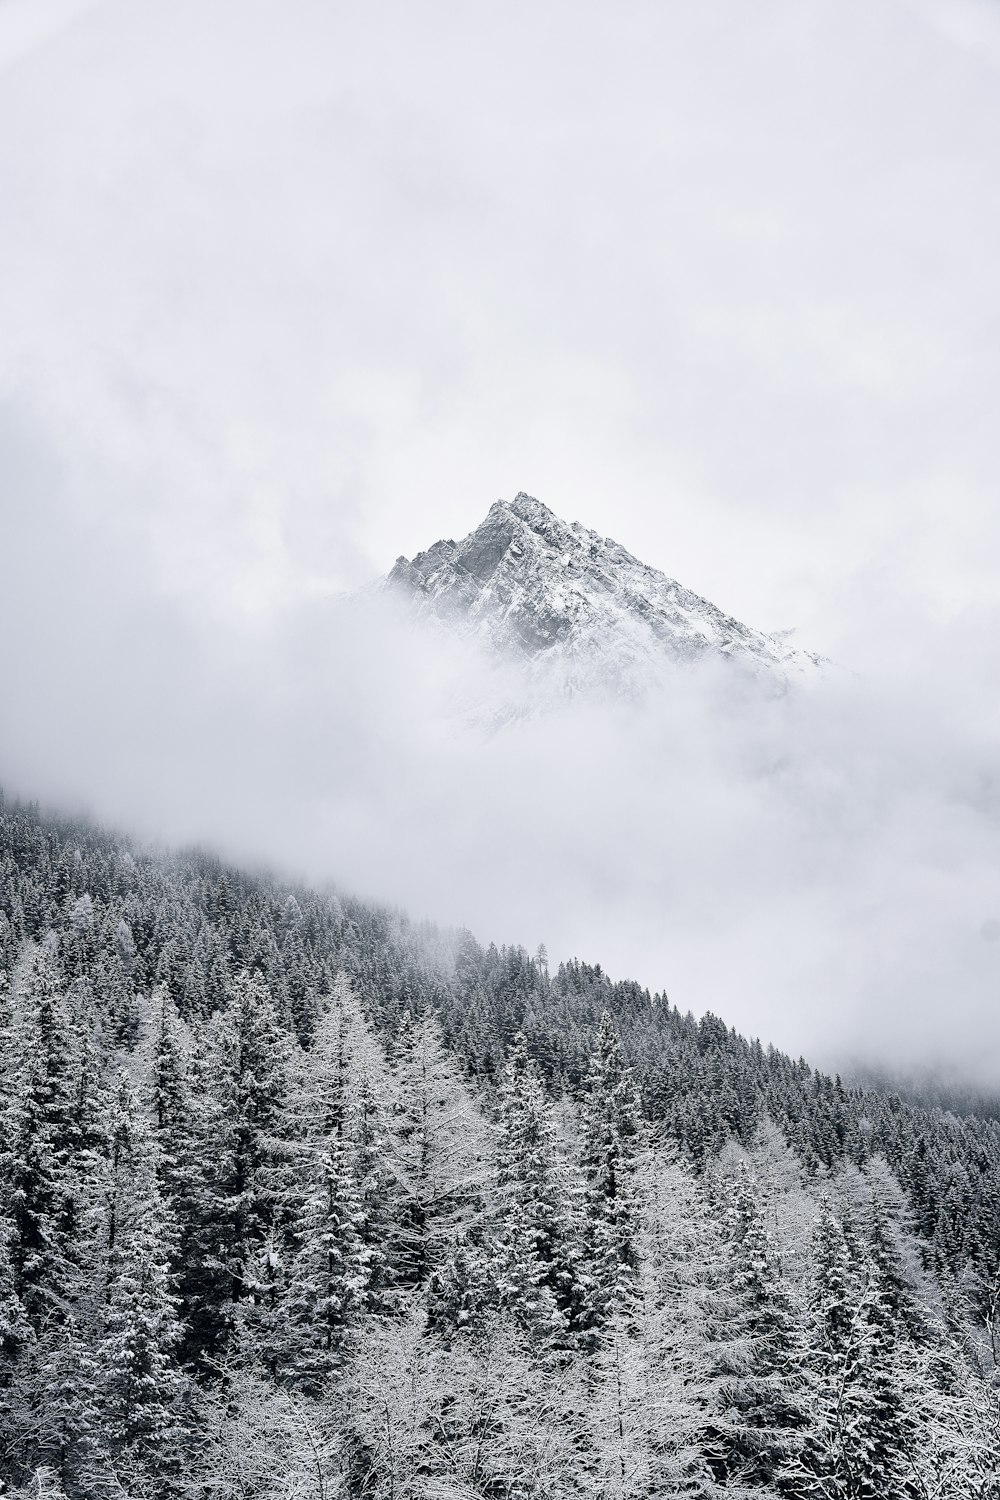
<point x="440" y="1149"/>
<point x="187" y="1104"/>
<point x="138" y="1381"/>
<point x="859" y="1434"/>
<point x="309" y="1279"/>
<point x="453" y="1420"/>
<point x="40" y="1185"/>
<point x="671" y="1420"/>
<point x="612" y="1140"/>
<point x="328" y="1274"/>
<point x="248" y="1060"/>
<point x="537" y="1239"/>
<point x="758" y="1350"/>
<point x="259" y="1441"/>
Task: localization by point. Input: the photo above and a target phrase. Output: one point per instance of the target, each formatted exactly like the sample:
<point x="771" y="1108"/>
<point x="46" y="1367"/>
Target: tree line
<point x="301" y="1198"/>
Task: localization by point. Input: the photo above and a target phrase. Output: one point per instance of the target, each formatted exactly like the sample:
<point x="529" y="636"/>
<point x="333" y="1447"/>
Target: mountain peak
<point x="526" y="508"/>
<point x="554" y="592"/>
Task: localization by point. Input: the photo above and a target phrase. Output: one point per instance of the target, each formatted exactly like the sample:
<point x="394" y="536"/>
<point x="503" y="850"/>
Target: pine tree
<point x="329" y="1270"/>
<point x="308" y="1281"/>
<point x="40" y="1135"/>
<point x="51" y="1150"/>
<point x="536" y="1246"/>
<point x="612" y="1139"/>
<point x="193" y="1164"/>
<point x="759" y="1349"/>
<point x="370" y="1134"/>
<point x="858" y="1436"/>
<point x="14" y="1328"/>
<point x="139" y="1383"/>
<point x="54" y="1422"/>
<point x="249" y="1084"/>
<point x="439" y="1147"/>
<point x="344" y="1092"/>
<point x="886" y="1420"/>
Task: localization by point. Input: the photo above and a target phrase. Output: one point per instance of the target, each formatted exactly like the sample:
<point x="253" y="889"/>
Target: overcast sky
<point x="287" y="289"/>
<point x="313" y="284"/>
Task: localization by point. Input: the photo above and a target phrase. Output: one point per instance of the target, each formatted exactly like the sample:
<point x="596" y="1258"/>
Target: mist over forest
<point x="221" y="410"/>
<point x="304" y="1199"/>
<point x="499" y="808"/>
<point x="819" y="867"/>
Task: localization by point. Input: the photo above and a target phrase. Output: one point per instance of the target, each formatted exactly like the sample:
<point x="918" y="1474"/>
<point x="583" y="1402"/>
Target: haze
<point x="288" y="290"/>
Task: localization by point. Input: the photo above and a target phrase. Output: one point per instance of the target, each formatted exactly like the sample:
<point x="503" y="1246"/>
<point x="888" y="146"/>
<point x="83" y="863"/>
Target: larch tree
<point x="655" y="1398"/>
<point x="440" y="1149"/>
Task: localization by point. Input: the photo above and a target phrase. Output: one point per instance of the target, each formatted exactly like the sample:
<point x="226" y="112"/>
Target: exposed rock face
<point x="567" y="599"/>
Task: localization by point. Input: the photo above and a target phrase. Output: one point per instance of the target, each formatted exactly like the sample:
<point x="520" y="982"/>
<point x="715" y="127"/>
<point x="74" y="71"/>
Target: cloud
<point x="316" y="281"/>
<point x="818" y="868"/>
<point x="28" y="24"/>
<point x="286" y="291"/>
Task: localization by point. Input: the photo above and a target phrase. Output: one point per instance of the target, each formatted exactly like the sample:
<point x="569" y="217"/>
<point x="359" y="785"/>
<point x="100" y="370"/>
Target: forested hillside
<point x="302" y="1199"/>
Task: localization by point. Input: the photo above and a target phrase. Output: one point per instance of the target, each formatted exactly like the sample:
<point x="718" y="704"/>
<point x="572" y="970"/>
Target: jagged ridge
<point x="555" y="592"/>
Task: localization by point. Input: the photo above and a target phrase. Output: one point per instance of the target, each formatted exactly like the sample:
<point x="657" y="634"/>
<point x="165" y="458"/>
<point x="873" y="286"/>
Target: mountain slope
<point x="297" y="1198"/>
<point x="578" y="607"/>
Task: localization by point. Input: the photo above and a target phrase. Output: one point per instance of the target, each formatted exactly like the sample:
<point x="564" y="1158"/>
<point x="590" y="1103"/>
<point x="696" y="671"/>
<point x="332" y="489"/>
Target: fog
<point x="820" y="868"/>
<point x="287" y="290"/>
<point x="315" y="283"/>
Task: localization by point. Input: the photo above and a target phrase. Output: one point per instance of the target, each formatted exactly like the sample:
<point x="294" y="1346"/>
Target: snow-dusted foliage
<point x="299" y="1201"/>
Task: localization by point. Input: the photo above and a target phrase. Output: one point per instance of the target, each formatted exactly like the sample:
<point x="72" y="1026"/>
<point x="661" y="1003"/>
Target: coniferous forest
<point x="302" y="1199"/>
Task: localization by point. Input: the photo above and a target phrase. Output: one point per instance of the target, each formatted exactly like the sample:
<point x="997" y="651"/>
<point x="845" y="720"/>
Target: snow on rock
<point x="578" y="609"/>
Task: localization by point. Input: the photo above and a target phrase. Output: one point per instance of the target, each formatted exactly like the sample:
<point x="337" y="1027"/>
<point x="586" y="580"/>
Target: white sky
<point x="289" y="288"/>
<point x="308" y="285"/>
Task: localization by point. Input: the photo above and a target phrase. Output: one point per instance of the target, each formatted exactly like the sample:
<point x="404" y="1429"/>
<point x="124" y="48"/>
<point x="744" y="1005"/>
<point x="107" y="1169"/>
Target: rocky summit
<point x="563" y="597"/>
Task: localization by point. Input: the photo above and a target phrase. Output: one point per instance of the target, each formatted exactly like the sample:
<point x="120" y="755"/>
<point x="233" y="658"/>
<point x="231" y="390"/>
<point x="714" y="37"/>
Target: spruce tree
<point x="52" y="1147"/>
<point x="194" y="1169"/>
<point x="249" y="1083"/>
<point x="439" y="1148"/>
<point x="612" y="1140"/>
<point x="858" y="1437"/>
<point x="308" y="1280"/>
<point x="536" y="1250"/>
<point x="39" y="1131"/>
<point x="138" y="1381"/>
<point x="758" y="1349"/>
<point x="329" y="1270"/>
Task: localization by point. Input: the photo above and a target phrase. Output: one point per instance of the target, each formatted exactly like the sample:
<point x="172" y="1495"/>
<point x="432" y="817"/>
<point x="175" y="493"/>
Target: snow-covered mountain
<point x="578" y="609"/>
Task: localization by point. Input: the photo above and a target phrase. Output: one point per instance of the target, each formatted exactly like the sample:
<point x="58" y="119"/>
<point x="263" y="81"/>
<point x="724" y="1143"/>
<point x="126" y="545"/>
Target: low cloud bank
<point x="821" y="869"/>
